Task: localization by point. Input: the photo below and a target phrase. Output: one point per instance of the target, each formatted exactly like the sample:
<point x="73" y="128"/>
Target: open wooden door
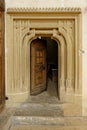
<point x="2" y="67"/>
<point x="38" y="66"/>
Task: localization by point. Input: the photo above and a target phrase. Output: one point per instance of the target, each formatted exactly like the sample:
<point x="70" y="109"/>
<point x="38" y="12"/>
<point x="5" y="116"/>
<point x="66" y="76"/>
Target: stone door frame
<point x="55" y="35"/>
<point x="61" y="24"/>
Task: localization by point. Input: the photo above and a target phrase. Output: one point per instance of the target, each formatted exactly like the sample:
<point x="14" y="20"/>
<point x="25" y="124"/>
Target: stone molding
<point x="60" y="10"/>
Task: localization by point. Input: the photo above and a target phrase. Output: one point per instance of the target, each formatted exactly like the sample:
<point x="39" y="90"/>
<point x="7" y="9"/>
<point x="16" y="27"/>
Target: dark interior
<point x="52" y="66"/>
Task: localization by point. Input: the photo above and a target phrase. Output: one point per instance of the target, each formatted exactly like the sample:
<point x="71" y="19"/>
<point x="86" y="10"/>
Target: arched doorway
<point x="44" y="66"/>
<point x="61" y="59"/>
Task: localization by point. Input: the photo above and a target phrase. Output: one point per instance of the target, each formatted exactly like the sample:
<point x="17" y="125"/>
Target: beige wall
<point x="84" y="61"/>
<point x="66" y="3"/>
<point x="40" y="3"/>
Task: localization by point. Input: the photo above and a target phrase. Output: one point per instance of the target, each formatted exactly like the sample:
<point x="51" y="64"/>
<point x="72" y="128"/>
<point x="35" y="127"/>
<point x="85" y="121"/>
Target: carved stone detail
<point x="67" y="26"/>
<point x="15" y="10"/>
<point x="22" y="31"/>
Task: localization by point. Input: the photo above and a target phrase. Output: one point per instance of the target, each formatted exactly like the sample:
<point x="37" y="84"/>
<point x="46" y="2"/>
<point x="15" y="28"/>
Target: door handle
<point x="41" y="68"/>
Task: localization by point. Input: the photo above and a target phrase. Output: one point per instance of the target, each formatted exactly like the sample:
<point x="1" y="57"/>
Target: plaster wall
<point x="64" y="3"/>
<point x="45" y="3"/>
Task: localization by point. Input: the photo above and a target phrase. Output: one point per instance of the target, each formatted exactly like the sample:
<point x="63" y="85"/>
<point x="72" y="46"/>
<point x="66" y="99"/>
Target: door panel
<point x="38" y="66"/>
<point x="2" y="78"/>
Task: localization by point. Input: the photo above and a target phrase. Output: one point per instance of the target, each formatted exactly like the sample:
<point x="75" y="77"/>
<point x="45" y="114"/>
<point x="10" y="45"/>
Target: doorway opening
<point x="44" y="66"/>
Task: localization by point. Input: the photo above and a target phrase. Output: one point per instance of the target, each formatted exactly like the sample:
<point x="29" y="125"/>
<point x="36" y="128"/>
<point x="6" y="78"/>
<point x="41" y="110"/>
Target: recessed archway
<point x="62" y="55"/>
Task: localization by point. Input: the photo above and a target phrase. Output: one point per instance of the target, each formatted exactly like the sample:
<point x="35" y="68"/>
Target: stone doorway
<point x="47" y="74"/>
<point x="25" y="25"/>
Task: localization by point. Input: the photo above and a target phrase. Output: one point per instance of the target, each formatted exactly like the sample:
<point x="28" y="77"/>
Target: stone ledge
<point x="59" y="10"/>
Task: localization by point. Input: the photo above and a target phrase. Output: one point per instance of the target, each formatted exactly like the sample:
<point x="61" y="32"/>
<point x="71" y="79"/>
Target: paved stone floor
<point x="42" y="112"/>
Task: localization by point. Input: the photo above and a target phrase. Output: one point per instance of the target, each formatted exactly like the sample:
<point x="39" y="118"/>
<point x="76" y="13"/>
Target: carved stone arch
<point x="30" y="34"/>
<point x="24" y="34"/>
<point x="28" y="38"/>
<point x="70" y="64"/>
<point x="62" y="64"/>
<point x="70" y="60"/>
<point x="59" y="62"/>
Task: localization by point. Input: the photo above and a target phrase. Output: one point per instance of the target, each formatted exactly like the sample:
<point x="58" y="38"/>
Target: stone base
<point x="17" y="98"/>
<point x="74" y="106"/>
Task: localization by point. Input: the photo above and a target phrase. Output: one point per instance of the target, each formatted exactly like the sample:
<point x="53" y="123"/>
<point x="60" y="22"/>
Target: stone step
<point x="34" y="120"/>
<point x="38" y="114"/>
<point x="43" y="98"/>
<point x="43" y="110"/>
<point x="35" y="113"/>
<point x="35" y="123"/>
<point x="41" y="104"/>
<point x="42" y="127"/>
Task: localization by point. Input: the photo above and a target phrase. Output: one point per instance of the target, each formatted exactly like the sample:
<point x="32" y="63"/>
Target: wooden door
<point x="2" y="67"/>
<point x="38" y="66"/>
